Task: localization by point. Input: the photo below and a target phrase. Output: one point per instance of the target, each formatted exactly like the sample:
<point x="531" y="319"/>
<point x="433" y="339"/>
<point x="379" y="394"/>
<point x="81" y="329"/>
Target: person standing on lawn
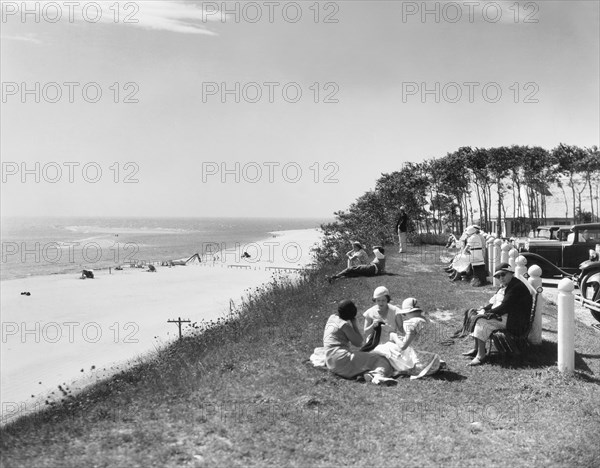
<point x="510" y="310"/>
<point x="402" y="228"/>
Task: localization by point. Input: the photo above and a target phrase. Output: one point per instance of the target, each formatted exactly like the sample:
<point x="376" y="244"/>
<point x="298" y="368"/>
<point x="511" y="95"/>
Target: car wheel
<point x="590" y="289"/>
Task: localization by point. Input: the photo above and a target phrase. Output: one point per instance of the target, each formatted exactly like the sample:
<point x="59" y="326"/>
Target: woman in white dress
<point x="386" y="314"/>
<point x="357" y="256"/>
<point x="400" y="349"/>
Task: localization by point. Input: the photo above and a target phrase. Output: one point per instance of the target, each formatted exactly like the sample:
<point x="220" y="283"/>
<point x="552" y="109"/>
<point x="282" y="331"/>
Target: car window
<point x="590" y="236"/>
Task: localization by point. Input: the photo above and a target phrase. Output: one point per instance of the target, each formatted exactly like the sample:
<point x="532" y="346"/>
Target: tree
<point x="571" y="161"/>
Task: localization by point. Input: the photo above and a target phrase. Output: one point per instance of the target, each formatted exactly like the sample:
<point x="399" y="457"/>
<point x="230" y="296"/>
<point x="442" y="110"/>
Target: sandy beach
<point x="71" y="329"/>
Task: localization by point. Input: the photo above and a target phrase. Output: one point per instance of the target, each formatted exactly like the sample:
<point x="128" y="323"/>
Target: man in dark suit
<point x="402" y="228"/>
<point x="509" y="309"/>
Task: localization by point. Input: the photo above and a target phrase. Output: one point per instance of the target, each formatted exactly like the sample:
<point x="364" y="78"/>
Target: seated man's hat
<point x="504" y="267"/>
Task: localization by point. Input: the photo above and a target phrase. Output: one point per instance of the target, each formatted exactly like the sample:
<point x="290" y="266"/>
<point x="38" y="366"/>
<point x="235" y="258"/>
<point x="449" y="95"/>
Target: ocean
<point x="47" y="246"/>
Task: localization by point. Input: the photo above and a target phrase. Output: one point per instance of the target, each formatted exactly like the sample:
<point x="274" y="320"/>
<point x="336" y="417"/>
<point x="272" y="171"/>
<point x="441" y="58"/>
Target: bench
<point x="509" y="344"/>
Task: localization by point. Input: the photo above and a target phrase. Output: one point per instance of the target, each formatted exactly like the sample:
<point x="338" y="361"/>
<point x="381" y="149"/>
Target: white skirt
<point x="484" y="328"/>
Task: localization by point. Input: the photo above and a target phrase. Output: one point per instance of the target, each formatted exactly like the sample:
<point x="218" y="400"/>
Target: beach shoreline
<point x="72" y="332"/>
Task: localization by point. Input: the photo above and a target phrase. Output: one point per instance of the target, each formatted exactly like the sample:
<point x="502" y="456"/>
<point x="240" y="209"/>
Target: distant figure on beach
<point x="376" y="267"/>
<point x="402" y="228"/>
<point x="151" y="268"/>
<point x="357" y="256"/>
<point x="85" y="274"/>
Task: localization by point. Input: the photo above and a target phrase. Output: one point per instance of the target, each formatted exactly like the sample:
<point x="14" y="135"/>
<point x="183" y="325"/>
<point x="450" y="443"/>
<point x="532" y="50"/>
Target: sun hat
<point x="471" y="230"/>
<point x="504" y="267"/>
<point x="410" y="305"/>
<point x="381" y="291"/>
<point x="358" y="244"/>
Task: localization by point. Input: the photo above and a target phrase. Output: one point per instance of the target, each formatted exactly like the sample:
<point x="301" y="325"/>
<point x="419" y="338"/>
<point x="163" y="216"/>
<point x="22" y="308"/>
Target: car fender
<point x="549" y="269"/>
<point x="589" y="266"/>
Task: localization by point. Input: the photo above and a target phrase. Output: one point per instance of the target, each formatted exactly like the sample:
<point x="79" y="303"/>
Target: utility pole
<point x="179" y="322"/>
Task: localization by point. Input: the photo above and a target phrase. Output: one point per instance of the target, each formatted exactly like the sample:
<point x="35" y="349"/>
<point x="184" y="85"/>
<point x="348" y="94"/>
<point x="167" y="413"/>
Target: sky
<point x="275" y="109"/>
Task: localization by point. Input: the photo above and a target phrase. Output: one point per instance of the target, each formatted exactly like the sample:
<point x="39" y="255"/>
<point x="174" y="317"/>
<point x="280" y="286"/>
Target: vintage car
<point x="588" y="281"/>
<point x="543" y="234"/>
<point x="576" y="257"/>
<point x="557" y="258"/>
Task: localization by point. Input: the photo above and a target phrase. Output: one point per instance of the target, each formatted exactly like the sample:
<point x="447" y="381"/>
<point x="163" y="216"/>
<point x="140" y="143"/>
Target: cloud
<point x="171" y="16"/>
<point x="174" y="16"/>
<point x="29" y="38"/>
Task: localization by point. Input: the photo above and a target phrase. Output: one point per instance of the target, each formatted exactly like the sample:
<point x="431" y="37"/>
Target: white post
<point x="520" y="266"/>
<point x="504" y="256"/>
<point x="535" y="280"/>
<point x="566" y="325"/>
<point x="497" y="255"/>
<point x="512" y="256"/>
<point x="490" y="256"/>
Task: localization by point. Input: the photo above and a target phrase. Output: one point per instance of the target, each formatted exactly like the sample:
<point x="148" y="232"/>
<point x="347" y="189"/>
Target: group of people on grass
<point x="393" y="338"/>
<point x="470" y="262"/>
<point x="359" y="265"/>
<point x="394" y="334"/>
<point x="390" y="343"/>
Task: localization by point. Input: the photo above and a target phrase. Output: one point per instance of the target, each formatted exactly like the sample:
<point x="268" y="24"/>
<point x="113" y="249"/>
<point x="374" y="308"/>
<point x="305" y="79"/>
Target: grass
<point x="241" y="393"/>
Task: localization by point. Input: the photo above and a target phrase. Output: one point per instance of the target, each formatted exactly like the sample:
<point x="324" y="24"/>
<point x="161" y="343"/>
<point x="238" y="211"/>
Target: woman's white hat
<point x="471" y="230"/>
<point x="410" y="305"/>
<point x="381" y="291"/>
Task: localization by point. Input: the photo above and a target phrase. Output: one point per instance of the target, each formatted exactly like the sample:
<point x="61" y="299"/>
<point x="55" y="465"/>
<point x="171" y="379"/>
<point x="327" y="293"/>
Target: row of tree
<point x="446" y="193"/>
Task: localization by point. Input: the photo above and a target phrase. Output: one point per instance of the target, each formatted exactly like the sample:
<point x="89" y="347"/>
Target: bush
<point x="427" y="238"/>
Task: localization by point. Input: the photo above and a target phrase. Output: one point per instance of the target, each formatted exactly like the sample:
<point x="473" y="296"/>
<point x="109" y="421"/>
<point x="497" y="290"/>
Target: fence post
<point x="535" y="280"/>
<point x="497" y="255"/>
<point x="512" y="256"/>
<point x="520" y="266"/>
<point x="505" y="249"/>
<point x="490" y="256"/>
<point x="566" y="325"/>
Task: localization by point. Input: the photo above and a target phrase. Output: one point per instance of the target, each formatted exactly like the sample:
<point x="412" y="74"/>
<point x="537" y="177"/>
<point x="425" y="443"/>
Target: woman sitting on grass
<point x="400" y="349"/>
<point x="384" y="313"/>
<point x="376" y="267"/>
<point x="342" y="330"/>
<point x="357" y="256"/>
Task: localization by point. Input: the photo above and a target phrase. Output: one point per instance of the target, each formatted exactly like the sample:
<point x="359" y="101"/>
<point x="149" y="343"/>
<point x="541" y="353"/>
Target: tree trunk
<point x="499" y="228"/>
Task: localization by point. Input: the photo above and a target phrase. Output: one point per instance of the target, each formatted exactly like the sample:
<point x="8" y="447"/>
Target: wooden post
<point x="566" y="325"/>
<point x="535" y="280"/>
<point x="179" y="322"/>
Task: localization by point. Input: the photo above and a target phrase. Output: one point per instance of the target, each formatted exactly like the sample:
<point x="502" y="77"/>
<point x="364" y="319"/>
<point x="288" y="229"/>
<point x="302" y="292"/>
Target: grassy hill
<point x="242" y="393"/>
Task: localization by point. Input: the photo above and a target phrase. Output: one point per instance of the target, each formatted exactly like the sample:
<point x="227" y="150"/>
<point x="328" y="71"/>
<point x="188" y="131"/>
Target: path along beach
<point x="74" y="332"/>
